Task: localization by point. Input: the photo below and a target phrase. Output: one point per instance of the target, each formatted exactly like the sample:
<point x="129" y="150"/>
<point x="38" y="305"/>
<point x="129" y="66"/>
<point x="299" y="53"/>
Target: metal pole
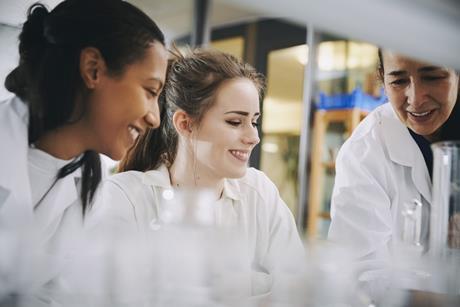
<point x="201" y="30"/>
<point x="309" y="81"/>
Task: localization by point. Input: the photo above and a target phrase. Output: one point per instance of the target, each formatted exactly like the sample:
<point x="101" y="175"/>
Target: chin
<point x="116" y="154"/>
<point x="235" y="174"/>
<point x="423" y="129"/>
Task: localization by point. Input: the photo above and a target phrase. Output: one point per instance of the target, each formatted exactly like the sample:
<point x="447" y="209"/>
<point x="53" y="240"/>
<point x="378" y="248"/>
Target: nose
<point x="152" y="118"/>
<point x="416" y="93"/>
<point x="251" y="136"/>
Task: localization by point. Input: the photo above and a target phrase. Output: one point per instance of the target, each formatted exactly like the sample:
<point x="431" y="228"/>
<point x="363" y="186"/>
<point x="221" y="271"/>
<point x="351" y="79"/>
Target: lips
<point x="421" y="116"/>
<point x="242" y="155"/>
<point x="134" y="132"/>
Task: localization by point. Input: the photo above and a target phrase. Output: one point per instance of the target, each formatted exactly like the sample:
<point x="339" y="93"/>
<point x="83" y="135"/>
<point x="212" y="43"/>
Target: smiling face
<point x="228" y="132"/>
<point x="422" y="95"/>
<point x="122" y="107"/>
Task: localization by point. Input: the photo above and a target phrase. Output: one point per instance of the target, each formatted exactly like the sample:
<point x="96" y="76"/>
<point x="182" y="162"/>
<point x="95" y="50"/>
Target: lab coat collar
<point x="403" y="150"/>
<point x="231" y="189"/>
<point x="61" y="197"/>
<point x="160" y="178"/>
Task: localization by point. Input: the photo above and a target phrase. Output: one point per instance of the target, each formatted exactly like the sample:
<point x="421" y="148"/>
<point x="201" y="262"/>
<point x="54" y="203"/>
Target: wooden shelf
<point x="329" y="165"/>
<point x="323" y="118"/>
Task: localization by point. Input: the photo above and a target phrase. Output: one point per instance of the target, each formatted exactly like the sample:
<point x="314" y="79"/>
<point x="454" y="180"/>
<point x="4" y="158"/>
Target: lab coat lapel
<point x="50" y="211"/>
<point x="403" y="150"/>
<point x="15" y="195"/>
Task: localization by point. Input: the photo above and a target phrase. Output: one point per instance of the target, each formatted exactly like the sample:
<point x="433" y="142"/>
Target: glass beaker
<point x="445" y="211"/>
<point x="444" y="239"/>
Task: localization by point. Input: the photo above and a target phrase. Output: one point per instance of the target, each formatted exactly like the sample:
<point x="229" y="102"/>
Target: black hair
<point x="48" y="78"/>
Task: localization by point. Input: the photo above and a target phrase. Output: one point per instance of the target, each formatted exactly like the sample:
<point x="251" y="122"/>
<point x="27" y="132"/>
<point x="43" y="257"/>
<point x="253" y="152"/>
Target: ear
<point x="92" y="65"/>
<point x="182" y="122"/>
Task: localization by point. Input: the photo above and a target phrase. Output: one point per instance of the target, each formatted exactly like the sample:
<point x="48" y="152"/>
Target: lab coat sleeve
<point x="361" y="205"/>
<point x="285" y="249"/>
<point x="113" y="210"/>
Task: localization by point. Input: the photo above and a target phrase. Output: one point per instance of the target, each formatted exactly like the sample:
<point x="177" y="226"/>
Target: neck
<point x="65" y="142"/>
<point x="185" y="172"/>
<point x="432" y="138"/>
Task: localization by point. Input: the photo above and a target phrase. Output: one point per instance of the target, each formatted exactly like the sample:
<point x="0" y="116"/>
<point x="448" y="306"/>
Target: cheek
<point x="397" y="100"/>
<point x="124" y="106"/>
<point x="453" y="97"/>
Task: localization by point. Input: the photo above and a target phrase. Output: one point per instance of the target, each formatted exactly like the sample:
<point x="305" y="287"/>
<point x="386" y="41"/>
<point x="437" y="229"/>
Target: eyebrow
<point x="241" y="113"/>
<point x="430" y="68"/>
<point x="422" y="69"/>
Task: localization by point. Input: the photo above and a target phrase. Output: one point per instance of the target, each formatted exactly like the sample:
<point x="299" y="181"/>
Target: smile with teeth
<point x="240" y="155"/>
<point x="420" y="114"/>
<point x="134" y="131"/>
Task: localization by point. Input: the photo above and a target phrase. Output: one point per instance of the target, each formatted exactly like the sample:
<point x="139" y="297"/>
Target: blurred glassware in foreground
<point x="25" y="267"/>
<point x="445" y="212"/>
<point x="184" y="258"/>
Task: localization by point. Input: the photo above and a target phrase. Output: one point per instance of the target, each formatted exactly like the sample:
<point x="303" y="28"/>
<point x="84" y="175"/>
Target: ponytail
<point x="32" y="46"/>
<point x="91" y="174"/>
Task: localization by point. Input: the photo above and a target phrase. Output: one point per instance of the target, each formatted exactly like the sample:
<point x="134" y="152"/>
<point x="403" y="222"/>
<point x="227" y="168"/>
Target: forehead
<point x="237" y="94"/>
<point x="393" y="61"/>
<point x="154" y="62"/>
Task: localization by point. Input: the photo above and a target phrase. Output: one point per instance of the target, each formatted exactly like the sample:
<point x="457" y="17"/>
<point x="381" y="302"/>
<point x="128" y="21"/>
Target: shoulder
<point x="256" y="181"/>
<point x="256" y="188"/>
<point x="126" y="181"/>
<point x="369" y="137"/>
<point x="14" y="106"/>
<point x="136" y="184"/>
<point x="14" y="135"/>
<point x="374" y="122"/>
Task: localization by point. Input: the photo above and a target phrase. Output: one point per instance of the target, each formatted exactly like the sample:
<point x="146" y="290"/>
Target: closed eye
<point x="234" y="123"/>
<point x="255" y="124"/>
<point x="433" y="78"/>
<point x="151" y="92"/>
<point x="399" y="82"/>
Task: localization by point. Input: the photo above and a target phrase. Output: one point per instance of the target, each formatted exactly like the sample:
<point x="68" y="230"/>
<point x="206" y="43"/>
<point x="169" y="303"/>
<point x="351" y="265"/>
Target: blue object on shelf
<point x="357" y="99"/>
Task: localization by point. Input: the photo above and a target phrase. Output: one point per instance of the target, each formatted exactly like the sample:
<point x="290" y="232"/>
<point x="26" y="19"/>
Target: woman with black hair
<point x="88" y="81"/>
<point x="387" y="162"/>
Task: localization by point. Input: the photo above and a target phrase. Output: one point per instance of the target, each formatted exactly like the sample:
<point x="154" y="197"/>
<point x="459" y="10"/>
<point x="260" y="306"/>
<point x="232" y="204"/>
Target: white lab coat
<point x="58" y="220"/>
<point x="62" y="207"/>
<point x="130" y="201"/>
<point x="15" y="196"/>
<point x="378" y="169"/>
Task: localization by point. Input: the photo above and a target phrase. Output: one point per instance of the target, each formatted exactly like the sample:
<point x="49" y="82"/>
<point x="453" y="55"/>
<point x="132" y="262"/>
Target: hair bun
<point x="32" y="37"/>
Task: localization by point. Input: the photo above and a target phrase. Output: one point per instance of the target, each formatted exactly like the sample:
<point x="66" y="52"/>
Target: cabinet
<point x="322" y="120"/>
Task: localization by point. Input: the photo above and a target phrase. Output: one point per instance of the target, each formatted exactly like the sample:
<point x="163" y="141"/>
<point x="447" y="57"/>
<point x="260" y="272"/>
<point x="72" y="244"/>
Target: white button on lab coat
<point x="378" y="169"/>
